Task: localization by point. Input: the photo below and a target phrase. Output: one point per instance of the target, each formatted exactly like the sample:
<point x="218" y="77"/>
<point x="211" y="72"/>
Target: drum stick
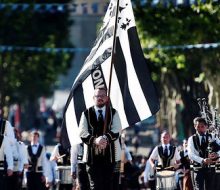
<point x="169" y="167"/>
<point x="61" y="156"/>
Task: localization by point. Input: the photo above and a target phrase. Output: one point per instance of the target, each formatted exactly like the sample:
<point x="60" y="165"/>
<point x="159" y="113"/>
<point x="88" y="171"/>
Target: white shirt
<point x="9" y="130"/>
<point x="75" y="149"/>
<point x="7" y="151"/>
<point x="168" y="148"/>
<point x="23" y="155"/>
<point x="148" y="172"/>
<point x="34" y="148"/>
<point x="20" y="156"/>
<point x="55" y="152"/>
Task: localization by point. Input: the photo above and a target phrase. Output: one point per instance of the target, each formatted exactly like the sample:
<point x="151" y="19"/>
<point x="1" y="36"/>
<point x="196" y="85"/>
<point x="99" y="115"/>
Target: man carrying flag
<point x="102" y="149"/>
<point x="116" y="62"/>
<point x="132" y="93"/>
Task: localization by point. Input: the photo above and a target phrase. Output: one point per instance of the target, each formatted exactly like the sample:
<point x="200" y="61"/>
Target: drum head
<point x="165" y="173"/>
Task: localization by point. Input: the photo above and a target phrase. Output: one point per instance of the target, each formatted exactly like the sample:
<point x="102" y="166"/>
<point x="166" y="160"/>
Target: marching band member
<point x="149" y="177"/>
<point x="78" y="167"/>
<point x="37" y="173"/>
<point x="165" y="156"/>
<point x="7" y="140"/>
<point x="203" y="173"/>
<point x="6" y="158"/>
<point x="52" y="165"/>
<point x="102" y="149"/>
<point x="119" y="176"/>
<point x="185" y="181"/>
<point x="62" y="157"/>
<point x="20" y="162"/>
<point x="6" y="128"/>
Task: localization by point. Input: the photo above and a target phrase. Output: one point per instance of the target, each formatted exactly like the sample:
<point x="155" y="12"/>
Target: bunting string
<point x="185" y="47"/>
<point x="98" y="8"/>
<point x="41" y="49"/>
<point x="4" y="48"/>
<point x="73" y="8"/>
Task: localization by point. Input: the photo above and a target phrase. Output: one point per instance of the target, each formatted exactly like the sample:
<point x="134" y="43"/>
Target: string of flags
<point x="74" y="8"/>
<point x="175" y="3"/>
<point x="91" y="7"/>
<point x="73" y="50"/>
<point x="185" y="47"/>
<point x="41" y="49"/>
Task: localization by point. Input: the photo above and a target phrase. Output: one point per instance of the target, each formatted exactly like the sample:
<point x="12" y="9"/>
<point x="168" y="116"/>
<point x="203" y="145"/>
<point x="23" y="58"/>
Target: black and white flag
<point x="132" y="93"/>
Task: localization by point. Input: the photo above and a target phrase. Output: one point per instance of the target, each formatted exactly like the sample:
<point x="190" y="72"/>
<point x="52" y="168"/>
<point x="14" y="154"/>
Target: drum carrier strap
<point x="166" y="160"/>
<point x="2" y="130"/>
<point x="2" y="126"/>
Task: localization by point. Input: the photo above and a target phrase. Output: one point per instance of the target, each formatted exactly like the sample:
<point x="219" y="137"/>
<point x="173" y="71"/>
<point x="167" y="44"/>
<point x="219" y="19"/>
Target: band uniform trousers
<point x="65" y="187"/>
<point x="3" y="180"/>
<point x="100" y="176"/>
<point x="34" y="181"/>
<point x="15" y="181"/>
<point x="203" y="179"/>
<point x="82" y="175"/>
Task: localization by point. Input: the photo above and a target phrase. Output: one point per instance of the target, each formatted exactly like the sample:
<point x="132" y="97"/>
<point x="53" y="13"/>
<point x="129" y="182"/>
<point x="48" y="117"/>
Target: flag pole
<point x="111" y="67"/>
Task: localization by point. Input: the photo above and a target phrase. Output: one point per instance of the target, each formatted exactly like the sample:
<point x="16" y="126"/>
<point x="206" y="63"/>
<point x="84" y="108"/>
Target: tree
<point x="27" y="75"/>
<point x="182" y="74"/>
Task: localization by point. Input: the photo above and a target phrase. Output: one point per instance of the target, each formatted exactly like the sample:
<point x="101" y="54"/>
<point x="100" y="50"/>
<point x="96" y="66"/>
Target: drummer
<point x="165" y="156"/>
<point x="62" y="157"/>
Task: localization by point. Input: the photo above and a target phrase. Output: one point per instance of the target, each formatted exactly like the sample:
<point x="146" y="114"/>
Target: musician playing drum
<point x="166" y="155"/>
<point x="203" y="174"/>
<point x="62" y="157"/>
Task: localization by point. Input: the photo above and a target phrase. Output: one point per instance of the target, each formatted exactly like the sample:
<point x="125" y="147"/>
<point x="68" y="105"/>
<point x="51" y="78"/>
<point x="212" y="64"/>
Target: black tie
<point x="100" y="116"/>
<point x="203" y="140"/>
<point x="166" y="151"/>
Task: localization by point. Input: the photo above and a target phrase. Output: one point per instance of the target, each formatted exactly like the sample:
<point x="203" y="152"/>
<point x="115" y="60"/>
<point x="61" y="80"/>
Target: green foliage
<point x="181" y="74"/>
<point x="26" y="74"/>
<point x="179" y="26"/>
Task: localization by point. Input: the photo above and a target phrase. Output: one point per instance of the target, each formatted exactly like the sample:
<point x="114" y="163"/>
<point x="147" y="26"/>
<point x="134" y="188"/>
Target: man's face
<point x="35" y="138"/>
<point x="165" y="138"/>
<point x="100" y="97"/>
<point x="200" y="127"/>
<point x="185" y="144"/>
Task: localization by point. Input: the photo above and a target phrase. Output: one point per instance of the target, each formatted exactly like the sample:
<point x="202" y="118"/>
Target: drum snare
<point x="165" y="180"/>
<point x="63" y="175"/>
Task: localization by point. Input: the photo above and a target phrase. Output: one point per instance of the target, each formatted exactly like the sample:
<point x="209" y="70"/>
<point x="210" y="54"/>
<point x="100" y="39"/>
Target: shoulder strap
<point x="1" y="140"/>
<point x="40" y="148"/>
<point x="160" y="150"/>
<point x="2" y="126"/>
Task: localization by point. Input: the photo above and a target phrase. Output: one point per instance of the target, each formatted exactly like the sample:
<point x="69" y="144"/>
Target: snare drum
<point x="63" y="175"/>
<point x="166" y="180"/>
